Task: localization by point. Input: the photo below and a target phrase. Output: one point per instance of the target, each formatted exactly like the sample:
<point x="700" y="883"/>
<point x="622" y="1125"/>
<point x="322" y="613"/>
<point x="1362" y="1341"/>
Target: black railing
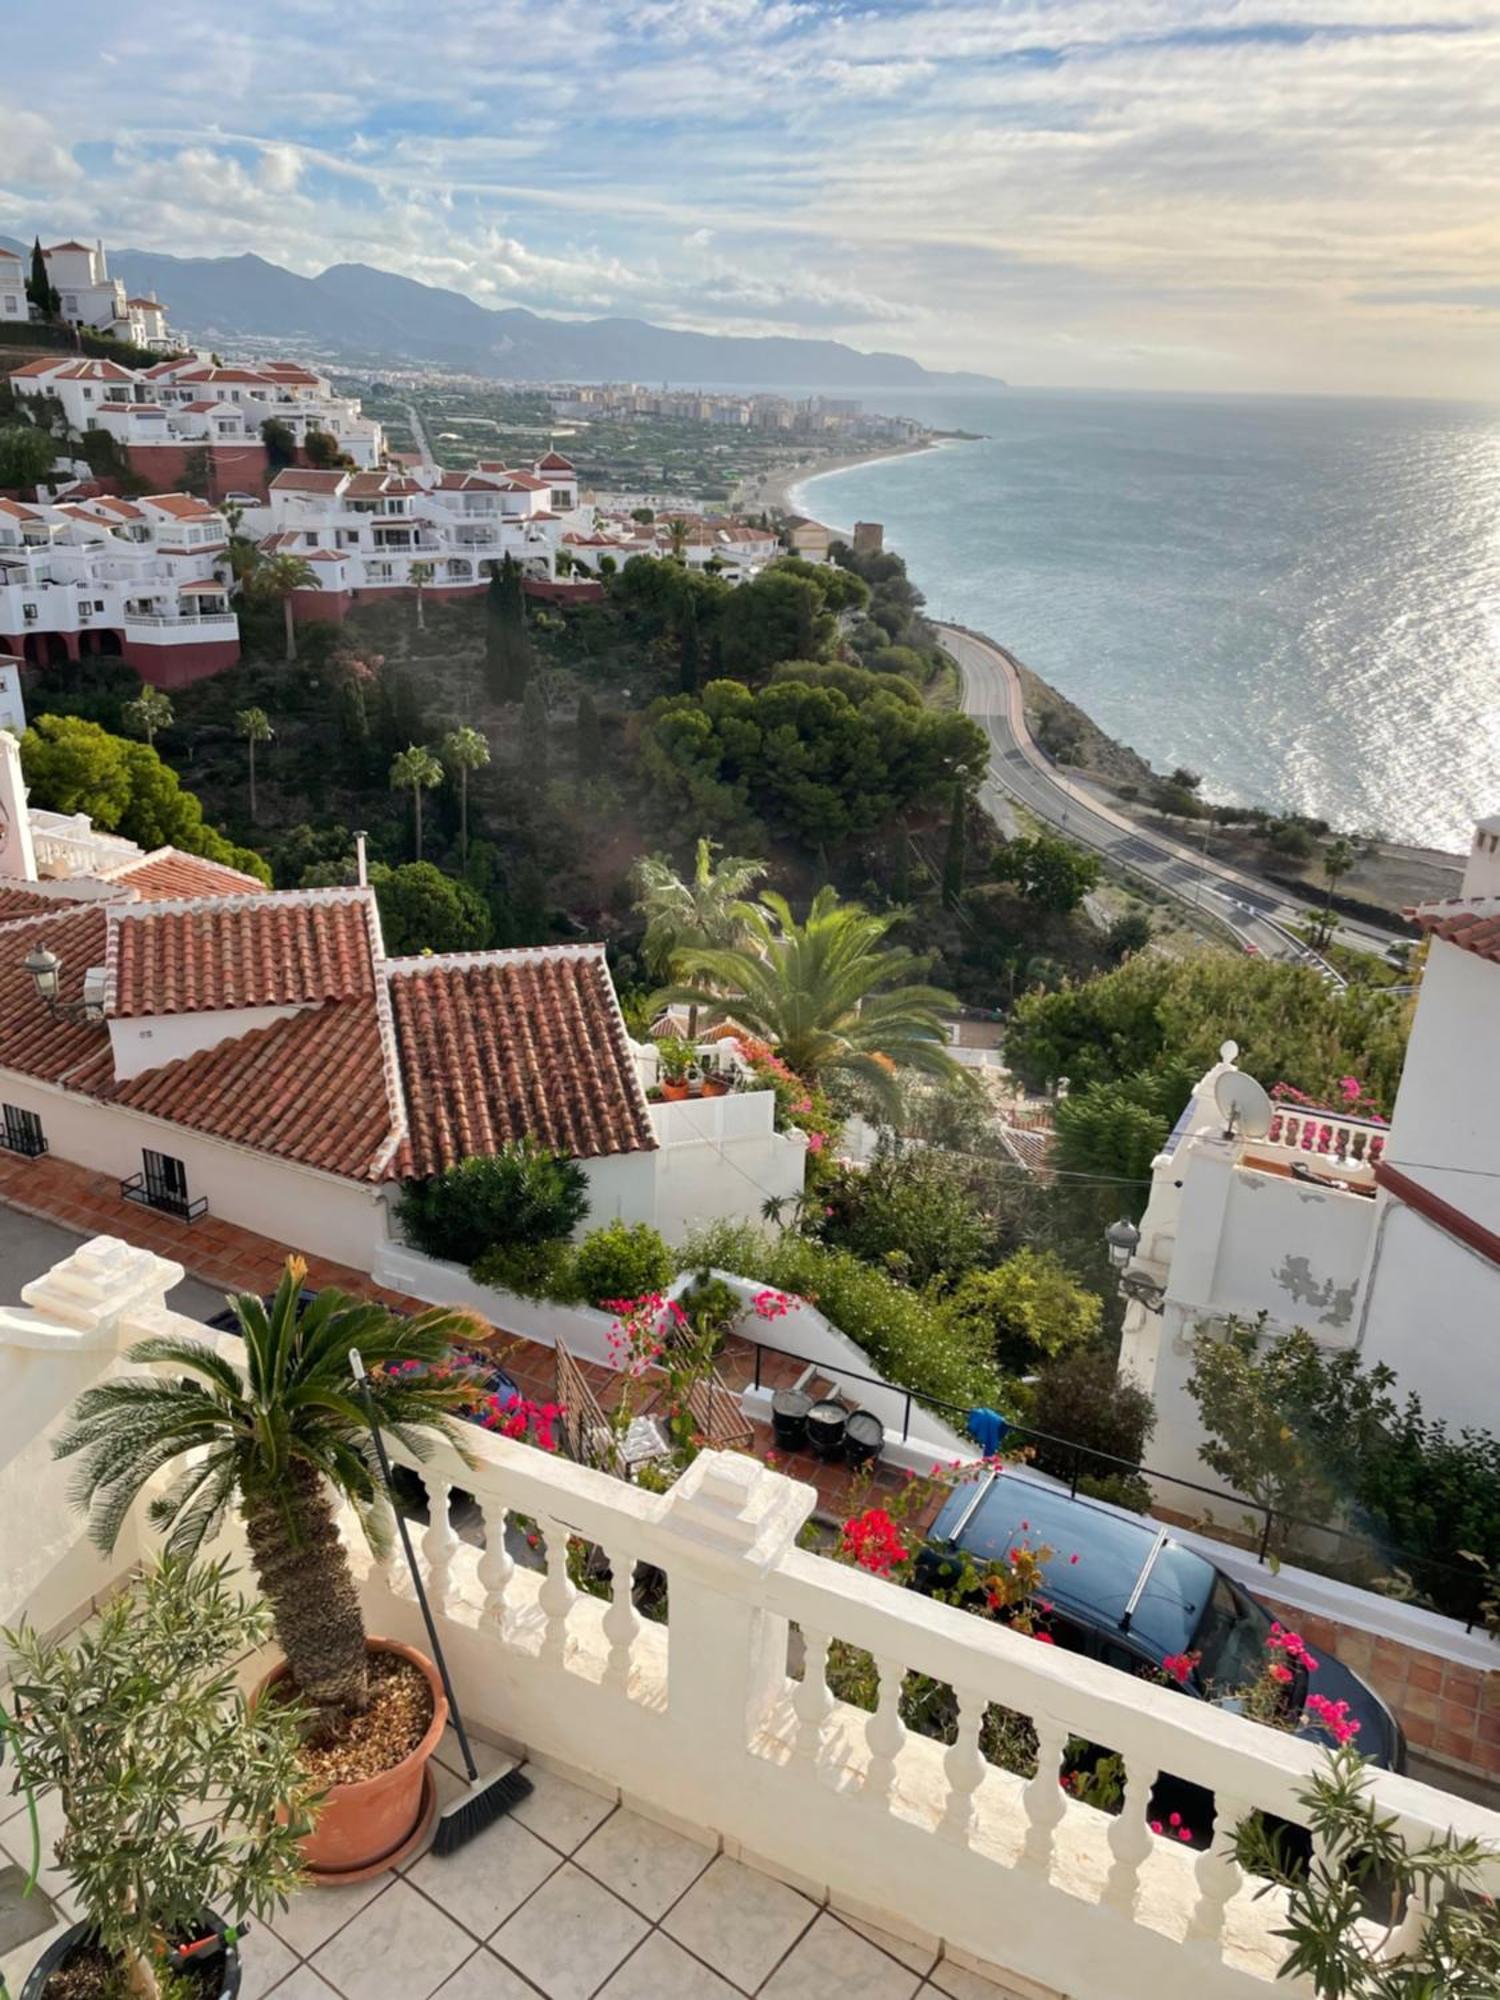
<point x="31" y="1145"/>
<point x="168" y="1201"/>
<point x="1465" y="1586"/>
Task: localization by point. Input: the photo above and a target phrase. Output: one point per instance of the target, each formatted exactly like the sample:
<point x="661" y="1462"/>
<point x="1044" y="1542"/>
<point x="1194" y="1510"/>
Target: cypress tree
<point x="507" y="645"/>
<point x="39" y="287"/>
<point x="536" y="738"/>
<point x="953" y="861"/>
<point x="589" y="744"/>
<point x="687" y="639"/>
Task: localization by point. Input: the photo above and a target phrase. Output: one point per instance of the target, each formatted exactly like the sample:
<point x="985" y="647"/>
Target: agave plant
<point x="282" y="1438"/>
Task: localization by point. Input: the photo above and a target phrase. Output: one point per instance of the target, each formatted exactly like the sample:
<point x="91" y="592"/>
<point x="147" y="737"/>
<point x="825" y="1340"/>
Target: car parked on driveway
<point x="1136" y="1596"/>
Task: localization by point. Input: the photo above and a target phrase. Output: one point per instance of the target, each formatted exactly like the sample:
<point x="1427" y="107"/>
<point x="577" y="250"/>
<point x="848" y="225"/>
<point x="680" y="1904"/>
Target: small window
<point x="21" y="1131"/>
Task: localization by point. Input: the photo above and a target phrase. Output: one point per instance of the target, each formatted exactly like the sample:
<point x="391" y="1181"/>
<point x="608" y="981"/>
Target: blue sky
<point x="1192" y="194"/>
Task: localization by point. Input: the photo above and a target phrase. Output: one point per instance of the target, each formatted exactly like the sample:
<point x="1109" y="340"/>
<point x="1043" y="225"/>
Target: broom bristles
<point x="478" y="1810"/>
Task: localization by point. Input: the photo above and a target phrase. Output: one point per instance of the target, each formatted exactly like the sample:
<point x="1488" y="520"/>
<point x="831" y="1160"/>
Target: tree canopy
<point x="422" y="909"/>
<point x="26" y="455"/>
<point x="1053" y="874"/>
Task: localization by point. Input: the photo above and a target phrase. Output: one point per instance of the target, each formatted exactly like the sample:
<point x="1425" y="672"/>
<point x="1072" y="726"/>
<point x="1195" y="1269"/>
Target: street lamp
<point x="45" y="969"/>
<point x="1124" y="1239"/>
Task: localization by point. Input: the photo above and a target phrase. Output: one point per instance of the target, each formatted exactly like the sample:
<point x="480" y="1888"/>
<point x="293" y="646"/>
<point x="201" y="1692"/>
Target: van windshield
<point x="1231" y="1638"/>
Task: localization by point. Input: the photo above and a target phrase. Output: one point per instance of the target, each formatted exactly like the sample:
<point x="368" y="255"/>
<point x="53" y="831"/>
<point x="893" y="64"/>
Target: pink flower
<point x="816" y="1141"/>
<point x="1179" y="1666"/>
<point x="1333" y="1716"/>
<point x="1283" y="1676"/>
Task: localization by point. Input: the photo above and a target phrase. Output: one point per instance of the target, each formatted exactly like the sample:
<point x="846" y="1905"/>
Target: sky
<point x="1284" y="195"/>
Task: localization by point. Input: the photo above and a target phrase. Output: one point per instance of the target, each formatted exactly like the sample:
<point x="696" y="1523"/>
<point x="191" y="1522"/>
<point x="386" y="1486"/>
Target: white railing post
<point x="1218" y="1873"/>
<point x="497" y="1565"/>
<point x="728" y="1521"/>
<point x="441" y="1541"/>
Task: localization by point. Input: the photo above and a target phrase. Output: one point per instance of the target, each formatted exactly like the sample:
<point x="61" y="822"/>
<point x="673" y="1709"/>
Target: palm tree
<point x="255" y="726"/>
<point x="677" y="536"/>
<point x="1338" y="858"/>
<point x="828" y="993"/>
<point x="421" y="574"/>
<point x="150" y="711"/>
<point x="416" y="766"/>
<point x="275" y="580"/>
<point x="464" y="750"/>
<point x="705" y="911"/>
<point x="277" y="1438"/>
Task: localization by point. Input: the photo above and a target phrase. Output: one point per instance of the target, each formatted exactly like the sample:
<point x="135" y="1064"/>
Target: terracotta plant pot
<point x="715" y="1086"/>
<point x="53" y="1958"/>
<point x="366" y="1827"/>
<point x="674" y="1091"/>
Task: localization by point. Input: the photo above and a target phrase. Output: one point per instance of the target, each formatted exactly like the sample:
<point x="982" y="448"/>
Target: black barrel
<point x="789" y="1408"/>
<point x="825" y="1429"/>
<point x="864" y="1434"/>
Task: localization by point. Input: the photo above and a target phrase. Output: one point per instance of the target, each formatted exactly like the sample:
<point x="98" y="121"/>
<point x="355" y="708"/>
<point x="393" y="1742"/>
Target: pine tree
<point x="953" y="861"/>
<point x="687" y="639"/>
<point x="589" y="744"/>
<point x="39" y="287"/>
<point x="507" y="646"/>
<point x="536" y="738"/>
<point x="901" y="868"/>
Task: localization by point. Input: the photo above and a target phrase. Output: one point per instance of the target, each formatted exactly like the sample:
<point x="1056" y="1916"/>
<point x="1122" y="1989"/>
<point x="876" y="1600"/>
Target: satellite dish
<point x="1247" y="1109"/>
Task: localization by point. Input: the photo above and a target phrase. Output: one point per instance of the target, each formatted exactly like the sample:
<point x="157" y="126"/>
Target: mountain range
<point x="358" y="313"/>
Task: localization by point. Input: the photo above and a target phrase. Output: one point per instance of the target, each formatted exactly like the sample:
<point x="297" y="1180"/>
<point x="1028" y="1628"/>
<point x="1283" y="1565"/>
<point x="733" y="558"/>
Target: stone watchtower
<point x="869" y="538"/>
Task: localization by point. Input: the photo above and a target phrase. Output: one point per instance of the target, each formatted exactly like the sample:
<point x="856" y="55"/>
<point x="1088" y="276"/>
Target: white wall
<point x="717" y="1157"/>
<point x="1434" y="1317"/>
<point x="1447" y="1111"/>
<point x="147" y="1041"/>
<point x="294" y="1206"/>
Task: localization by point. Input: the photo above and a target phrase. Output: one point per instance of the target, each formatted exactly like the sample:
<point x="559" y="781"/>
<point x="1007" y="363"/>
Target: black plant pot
<point x="55" y="1956"/>
<point x="864" y="1435"/>
<point x="789" y="1408"/>
<point x="825" y="1429"/>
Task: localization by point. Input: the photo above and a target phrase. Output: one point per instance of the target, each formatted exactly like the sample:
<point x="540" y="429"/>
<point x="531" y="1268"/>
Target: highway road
<point x="1019" y="770"/>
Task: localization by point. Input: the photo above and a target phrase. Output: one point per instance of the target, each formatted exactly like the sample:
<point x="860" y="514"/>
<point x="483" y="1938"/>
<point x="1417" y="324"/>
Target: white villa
<point x="1382" y="1238"/>
<point x="90" y="297"/>
<point x="147" y="580"/>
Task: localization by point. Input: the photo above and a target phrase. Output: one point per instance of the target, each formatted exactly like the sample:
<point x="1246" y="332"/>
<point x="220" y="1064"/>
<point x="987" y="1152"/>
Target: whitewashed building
<point x="13" y="301"/>
<point x="91" y="298"/>
<point x="1381" y="1238"/>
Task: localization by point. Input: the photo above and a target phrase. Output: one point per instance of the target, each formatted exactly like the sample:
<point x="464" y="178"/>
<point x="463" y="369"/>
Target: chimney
<point x="1482" y="872"/>
<point x="103" y="277"/>
<point x="361" y="872"/>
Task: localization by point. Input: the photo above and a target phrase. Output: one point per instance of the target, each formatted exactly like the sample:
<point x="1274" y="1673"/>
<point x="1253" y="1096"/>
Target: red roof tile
<point x="16" y="902"/>
<point x="497" y="1046"/>
<point x="181" y="506"/>
<point x="303" y="479"/>
<point x="32" y="1040"/>
<point x="200" y="956"/>
<point x="1472" y="923"/>
<point x="167" y="873"/>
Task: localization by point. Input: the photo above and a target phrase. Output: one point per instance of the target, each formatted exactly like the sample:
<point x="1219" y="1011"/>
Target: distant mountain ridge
<point x="373" y="316"/>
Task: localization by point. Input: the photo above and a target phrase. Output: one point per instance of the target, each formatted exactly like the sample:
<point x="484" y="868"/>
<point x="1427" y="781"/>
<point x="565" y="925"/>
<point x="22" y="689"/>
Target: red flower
<point x="873" y="1541"/>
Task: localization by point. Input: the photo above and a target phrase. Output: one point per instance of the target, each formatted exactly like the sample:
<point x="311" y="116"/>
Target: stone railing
<point x="69" y="844"/>
<point x="154" y="620"/>
<point x="1345" y="1141"/>
<point x="702" y="1721"/>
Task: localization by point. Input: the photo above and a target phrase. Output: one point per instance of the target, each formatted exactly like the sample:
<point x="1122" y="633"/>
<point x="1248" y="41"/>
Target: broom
<point x="482" y="1804"/>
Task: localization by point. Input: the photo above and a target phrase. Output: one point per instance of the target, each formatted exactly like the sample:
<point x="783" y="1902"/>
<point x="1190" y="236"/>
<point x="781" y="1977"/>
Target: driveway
<point x="29" y="1246"/>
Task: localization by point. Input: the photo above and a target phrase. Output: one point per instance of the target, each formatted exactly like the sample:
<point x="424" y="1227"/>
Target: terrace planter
<point x="58" y="1952"/>
<point x="675" y="1091"/>
<point x="715" y="1086"/>
<point x="367" y="1827"/>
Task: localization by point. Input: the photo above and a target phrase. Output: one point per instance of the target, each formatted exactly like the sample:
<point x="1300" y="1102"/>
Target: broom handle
<point x="411" y="1563"/>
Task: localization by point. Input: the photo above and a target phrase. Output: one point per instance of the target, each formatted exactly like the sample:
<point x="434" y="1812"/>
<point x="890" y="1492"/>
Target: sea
<point x="1298" y="597"/>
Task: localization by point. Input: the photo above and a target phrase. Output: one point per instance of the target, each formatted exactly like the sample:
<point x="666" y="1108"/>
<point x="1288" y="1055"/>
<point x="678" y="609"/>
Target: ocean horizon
<point x="1297" y="597"/>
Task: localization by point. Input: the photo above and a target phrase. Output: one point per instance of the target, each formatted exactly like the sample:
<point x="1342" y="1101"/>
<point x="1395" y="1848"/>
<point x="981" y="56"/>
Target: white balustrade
<point x="813" y="1701"/>
<point x="885" y="1732"/>
<point x="621" y="1621"/>
<point x="441" y="1542"/>
<point x="1130" y="1837"/>
<point x="1218" y="1871"/>
<point x="963" y="1765"/>
<point x="557" y="1594"/>
<point x="497" y="1565"/>
<point x="1044" y="1800"/>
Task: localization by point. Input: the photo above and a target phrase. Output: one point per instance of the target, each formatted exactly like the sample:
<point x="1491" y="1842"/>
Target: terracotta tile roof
<point x="52" y="252"/>
<point x="522" y="482"/>
<point x="181" y="506"/>
<point x="496" y="1046"/>
<point x="1470" y="922"/>
<point x="554" y="462"/>
<point x="16" y="902"/>
<point x="167" y="873"/>
<point x="42" y="367"/>
<point x="466" y="482"/>
<point x="303" y="479"/>
<point x="14" y="511"/>
<point x="32" y="1040"/>
<point x="242" y="951"/>
<point x="310" y="1089"/>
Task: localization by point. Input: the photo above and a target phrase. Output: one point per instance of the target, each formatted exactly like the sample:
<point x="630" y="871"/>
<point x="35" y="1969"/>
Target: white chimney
<point x="1482" y="870"/>
<point x="361" y="873"/>
<point x="103" y="277"/>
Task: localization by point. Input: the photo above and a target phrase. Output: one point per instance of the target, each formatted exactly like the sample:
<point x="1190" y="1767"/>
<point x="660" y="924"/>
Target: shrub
<point x="522" y="1194"/>
<point x="913" y="1339"/>
<point x="532" y="1270"/>
<point x="620" y="1261"/>
<point x="1028" y="1308"/>
<point x="912" y="1211"/>
<point x="1082" y="1400"/>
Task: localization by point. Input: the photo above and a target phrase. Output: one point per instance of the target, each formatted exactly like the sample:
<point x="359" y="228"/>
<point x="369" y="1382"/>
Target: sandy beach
<point x="773" y="490"/>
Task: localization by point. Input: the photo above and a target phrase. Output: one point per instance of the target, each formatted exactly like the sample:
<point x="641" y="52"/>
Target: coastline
<point x="774" y="490"/>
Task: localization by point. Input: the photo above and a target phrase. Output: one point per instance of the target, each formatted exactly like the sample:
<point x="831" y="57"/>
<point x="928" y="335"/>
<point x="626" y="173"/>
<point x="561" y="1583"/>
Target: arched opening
<point x="57" y="650"/>
<point x="110" y="644"/>
<point x="31" y="649"/>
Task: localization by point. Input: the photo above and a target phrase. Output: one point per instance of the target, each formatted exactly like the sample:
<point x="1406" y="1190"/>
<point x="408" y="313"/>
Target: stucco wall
<point x="292" y="1205"/>
<point x="1447" y="1110"/>
<point x="1434" y="1316"/>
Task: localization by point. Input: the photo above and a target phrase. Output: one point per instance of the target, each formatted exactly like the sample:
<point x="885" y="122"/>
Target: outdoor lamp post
<point x="45" y="968"/>
<point x="1124" y="1239"/>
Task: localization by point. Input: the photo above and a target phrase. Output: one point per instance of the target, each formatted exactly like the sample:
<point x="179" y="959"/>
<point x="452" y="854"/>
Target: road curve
<point x="1020" y="770"/>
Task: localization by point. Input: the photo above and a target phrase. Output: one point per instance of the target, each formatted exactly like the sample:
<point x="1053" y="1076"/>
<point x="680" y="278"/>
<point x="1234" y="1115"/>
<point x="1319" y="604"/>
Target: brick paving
<point x="223" y="1254"/>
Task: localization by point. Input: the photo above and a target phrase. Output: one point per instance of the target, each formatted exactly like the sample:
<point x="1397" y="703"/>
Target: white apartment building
<point x="144" y="580"/>
<point x="13" y="301"/>
<point x="1381" y="1238"/>
<point x="736" y="550"/>
<point x="91" y="298"/>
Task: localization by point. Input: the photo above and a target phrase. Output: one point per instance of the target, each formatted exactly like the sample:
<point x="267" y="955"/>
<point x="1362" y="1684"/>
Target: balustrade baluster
<point x="496" y="1566"/>
<point x="963" y="1766"/>
<point x="557" y="1594"/>
<point x="621" y="1621"/>
<point x="1421" y="1907"/>
<point x="1043" y="1798"/>
<point x="1219" y="1874"/>
<point x="1130" y="1837"/>
<point x="383" y="1538"/>
<point x="440" y="1542"/>
<point x="885" y="1732"/>
<point x="812" y="1702"/>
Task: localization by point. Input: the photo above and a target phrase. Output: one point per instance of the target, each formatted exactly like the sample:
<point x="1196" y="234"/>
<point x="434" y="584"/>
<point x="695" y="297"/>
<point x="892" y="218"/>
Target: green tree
<point x="1115" y="1130"/>
<point x="678" y="531"/>
<point x="953" y="860"/>
<point x="704" y="910"/>
<point x="197" y="474"/>
<point x="422" y="909"/>
<point x="535" y="738"/>
<point x="507" y="646"/>
<point x="40" y="289"/>
<point x="776" y="616"/>
<point x="280" y="443"/>
<point x="274" y="581"/>
<point x="588" y="743"/>
<point x="421" y="574"/>
<point x="524" y="1193"/>
<point x="151" y="710"/>
<point x="828" y="993"/>
<point x="1053" y="874"/>
<point x="281" y="1439"/>
<point x="1080" y="1399"/>
<point x="417" y="768"/>
<point x="1338" y="858"/>
<point x="322" y="451"/>
<point x="464" y="750"/>
<point x="26" y="455"/>
<point x="913" y="1212"/>
<point x="1244" y="1391"/>
<point x="1032" y="1306"/>
<point x="255" y="726"/>
<point x="688" y="664"/>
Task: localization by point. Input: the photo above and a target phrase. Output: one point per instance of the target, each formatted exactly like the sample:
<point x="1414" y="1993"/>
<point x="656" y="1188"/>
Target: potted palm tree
<point x="675" y="1059"/>
<point x="282" y="1439"/>
<point x="134" y="1724"/>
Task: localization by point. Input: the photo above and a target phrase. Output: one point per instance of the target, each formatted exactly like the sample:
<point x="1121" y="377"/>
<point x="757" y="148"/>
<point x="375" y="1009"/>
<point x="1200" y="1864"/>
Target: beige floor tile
<point x="312" y="1917"/>
<point x="831" y="1959"/>
<point x="662" y="1970"/>
<point x="739" y="1922"/>
<point x="485" y="1882"/>
<point x="571" y="1935"/>
<point x="563" y="1814"/>
<point x="485" y="1977"/>
<point x="643" y="1862"/>
<point x="402" y="1944"/>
